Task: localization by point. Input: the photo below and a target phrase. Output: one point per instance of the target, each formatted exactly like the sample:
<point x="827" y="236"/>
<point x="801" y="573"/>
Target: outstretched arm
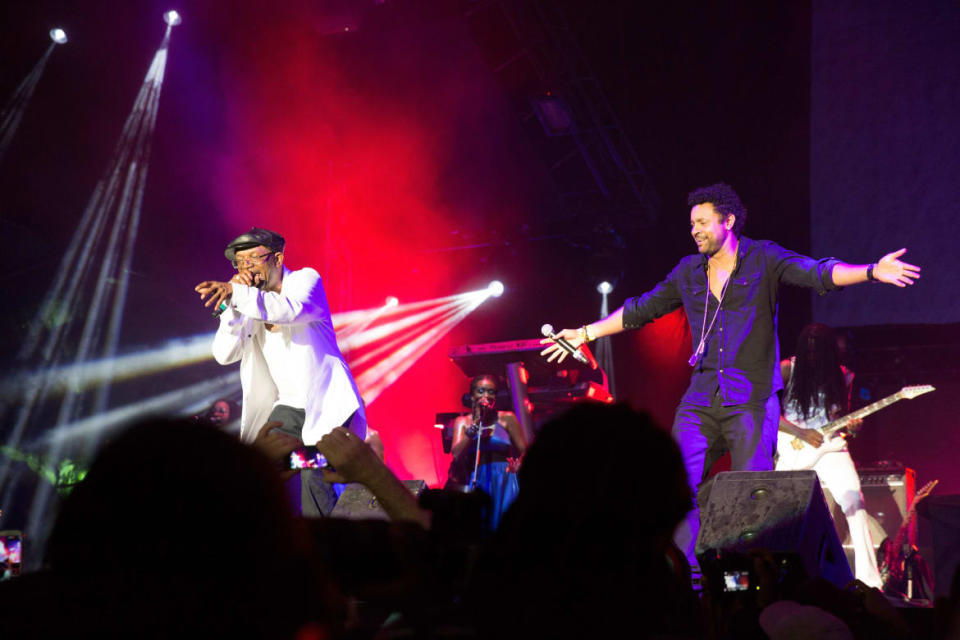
<point x="889" y="269"/>
<point x="610" y="325"/>
<point x="635" y="312"/>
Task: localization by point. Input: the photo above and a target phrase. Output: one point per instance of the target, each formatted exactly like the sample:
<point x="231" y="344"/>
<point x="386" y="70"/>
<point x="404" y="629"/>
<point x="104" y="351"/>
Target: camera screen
<point x="736" y="580"/>
<point x="10" y="550"/>
<point x="307" y="458"/>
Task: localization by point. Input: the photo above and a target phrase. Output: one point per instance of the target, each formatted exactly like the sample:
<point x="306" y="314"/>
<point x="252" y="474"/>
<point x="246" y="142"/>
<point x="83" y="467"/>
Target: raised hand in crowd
<point x="276" y="445"/>
<point x="355" y="461"/>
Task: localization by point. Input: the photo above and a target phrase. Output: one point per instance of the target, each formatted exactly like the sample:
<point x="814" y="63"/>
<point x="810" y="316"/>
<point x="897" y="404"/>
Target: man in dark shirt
<point x="730" y="294"/>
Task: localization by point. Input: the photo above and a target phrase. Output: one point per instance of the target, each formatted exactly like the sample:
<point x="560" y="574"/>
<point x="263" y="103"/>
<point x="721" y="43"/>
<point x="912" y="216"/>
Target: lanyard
<point x="705" y="330"/>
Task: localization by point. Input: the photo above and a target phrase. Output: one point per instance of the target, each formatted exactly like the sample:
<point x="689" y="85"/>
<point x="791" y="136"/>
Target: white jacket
<point x="303" y="315"/>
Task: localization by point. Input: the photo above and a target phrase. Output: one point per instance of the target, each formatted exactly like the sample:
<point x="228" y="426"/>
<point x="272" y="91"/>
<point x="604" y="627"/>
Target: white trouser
<point x="836" y="471"/>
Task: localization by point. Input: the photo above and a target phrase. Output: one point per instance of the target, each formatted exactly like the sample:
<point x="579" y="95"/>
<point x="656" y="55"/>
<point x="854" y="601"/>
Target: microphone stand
<point x="908" y="561"/>
<point x="477" y="420"/>
<point x="478" y="423"/>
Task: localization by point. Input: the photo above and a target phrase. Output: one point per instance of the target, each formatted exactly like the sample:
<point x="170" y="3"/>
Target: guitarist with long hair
<point x="817" y="390"/>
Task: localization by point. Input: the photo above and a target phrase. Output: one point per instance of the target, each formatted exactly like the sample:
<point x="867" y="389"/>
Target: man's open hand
<point x="891" y="270"/>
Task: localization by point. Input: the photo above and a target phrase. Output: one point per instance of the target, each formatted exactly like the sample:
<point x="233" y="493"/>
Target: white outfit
<point x="292" y="389"/>
<point x="838" y="474"/>
<point x="310" y="350"/>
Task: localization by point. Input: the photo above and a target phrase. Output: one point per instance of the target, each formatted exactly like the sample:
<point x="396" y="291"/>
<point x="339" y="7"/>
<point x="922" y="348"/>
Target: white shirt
<point x="303" y="315"/>
<point x="285" y="365"/>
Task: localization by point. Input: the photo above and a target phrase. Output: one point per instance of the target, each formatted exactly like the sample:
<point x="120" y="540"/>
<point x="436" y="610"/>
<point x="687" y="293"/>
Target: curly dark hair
<point x="725" y="201"/>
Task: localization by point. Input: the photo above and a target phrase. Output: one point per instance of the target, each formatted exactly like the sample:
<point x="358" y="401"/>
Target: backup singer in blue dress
<point x="502" y="446"/>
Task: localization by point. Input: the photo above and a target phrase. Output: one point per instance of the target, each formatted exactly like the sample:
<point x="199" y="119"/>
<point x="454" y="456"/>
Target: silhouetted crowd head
<point x="585" y="543"/>
<point x="178" y="527"/>
<point x="179" y="530"/>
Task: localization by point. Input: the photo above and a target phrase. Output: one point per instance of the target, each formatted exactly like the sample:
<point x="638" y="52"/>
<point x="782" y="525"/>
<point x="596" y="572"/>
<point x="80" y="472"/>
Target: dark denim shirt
<point x="741" y="356"/>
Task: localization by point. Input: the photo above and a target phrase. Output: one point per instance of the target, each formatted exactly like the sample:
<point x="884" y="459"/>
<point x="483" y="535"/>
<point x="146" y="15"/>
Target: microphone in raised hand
<point x="547" y="331"/>
<point x="255" y="280"/>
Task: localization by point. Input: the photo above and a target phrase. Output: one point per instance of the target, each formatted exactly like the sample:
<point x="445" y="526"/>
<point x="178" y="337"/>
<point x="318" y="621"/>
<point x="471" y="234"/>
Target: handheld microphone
<point x="258" y="282"/>
<point x="547" y="331"/>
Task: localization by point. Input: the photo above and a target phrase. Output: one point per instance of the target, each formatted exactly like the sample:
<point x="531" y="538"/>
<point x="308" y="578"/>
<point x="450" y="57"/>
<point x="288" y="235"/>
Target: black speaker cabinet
<point x="357" y="503"/>
<point x="940" y="516"/>
<point x="887" y="494"/>
<point x="780" y="511"/>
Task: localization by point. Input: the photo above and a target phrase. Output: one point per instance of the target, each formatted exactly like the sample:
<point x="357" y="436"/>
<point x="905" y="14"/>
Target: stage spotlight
<point x="391" y="301"/>
<point x="58" y="35"/>
<point x="495" y="288"/>
<point x="604" y="287"/>
<point x="172" y="18"/>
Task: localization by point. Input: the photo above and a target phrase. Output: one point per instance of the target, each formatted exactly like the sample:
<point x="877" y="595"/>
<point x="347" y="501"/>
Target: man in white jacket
<point x="277" y="323"/>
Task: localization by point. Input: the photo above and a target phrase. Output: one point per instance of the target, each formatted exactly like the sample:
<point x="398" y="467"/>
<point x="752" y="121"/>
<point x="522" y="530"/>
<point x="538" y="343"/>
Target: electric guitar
<point x="891" y="556"/>
<point x="795" y="454"/>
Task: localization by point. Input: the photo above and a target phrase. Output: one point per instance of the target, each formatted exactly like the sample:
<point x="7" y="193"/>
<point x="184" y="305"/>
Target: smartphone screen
<point x="308" y="458"/>
<point x="736" y="580"/>
<point x="11" y="550"/>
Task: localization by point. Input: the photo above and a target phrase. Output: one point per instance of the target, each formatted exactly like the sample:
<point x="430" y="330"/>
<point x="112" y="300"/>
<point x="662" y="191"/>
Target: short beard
<point x="709" y="248"/>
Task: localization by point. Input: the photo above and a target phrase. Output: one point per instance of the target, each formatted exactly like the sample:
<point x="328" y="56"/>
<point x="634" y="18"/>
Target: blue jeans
<point x="704" y="434"/>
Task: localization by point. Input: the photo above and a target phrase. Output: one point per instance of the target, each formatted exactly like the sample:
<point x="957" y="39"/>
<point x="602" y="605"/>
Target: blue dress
<point x="492" y="475"/>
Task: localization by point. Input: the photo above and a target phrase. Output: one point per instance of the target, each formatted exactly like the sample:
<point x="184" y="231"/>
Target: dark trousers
<point x="315" y="497"/>
<point x="704" y="434"/>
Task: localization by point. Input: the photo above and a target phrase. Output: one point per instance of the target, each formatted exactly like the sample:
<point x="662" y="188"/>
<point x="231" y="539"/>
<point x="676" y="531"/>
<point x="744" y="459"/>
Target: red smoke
<point x="346" y="168"/>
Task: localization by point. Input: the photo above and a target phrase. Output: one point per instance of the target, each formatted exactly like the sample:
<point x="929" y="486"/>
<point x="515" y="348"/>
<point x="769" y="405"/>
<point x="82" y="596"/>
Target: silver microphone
<point x="547" y="331"/>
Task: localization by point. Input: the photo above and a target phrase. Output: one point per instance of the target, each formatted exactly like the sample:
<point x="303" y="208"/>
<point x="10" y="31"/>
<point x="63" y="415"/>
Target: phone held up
<point x="11" y="552"/>
<point x="736" y="580"/>
<point x="308" y="458"/>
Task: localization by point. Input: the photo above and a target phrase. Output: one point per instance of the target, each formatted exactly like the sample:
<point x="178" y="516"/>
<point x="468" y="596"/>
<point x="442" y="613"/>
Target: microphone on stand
<point x="547" y="331"/>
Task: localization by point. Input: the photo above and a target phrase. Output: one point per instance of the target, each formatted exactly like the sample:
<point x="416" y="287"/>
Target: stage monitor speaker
<point x="358" y="503"/>
<point x="780" y="511"/>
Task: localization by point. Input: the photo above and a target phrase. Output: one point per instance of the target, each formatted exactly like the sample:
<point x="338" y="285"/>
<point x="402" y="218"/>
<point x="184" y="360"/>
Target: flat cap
<point x="254" y="238"/>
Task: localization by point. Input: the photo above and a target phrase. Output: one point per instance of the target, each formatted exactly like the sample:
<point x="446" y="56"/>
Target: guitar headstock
<point x="916" y="390"/>
<point x="924" y="491"/>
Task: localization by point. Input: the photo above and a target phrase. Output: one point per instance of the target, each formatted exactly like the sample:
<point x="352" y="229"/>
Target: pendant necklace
<point x="705" y="330"/>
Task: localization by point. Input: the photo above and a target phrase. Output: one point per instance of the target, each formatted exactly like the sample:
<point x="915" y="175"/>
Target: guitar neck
<point x="905" y="528"/>
<point x="840" y="423"/>
<point x="912" y="513"/>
